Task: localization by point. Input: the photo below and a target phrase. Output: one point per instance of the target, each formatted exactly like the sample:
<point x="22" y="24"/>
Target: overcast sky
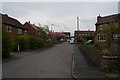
<point x="61" y="14"/>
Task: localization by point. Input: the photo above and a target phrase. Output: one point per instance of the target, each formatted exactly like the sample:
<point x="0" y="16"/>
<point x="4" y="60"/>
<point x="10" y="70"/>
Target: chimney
<point x="28" y="21"/>
<point x="77" y="23"/>
<point x="33" y="24"/>
<point x="5" y="15"/>
<point x="98" y="18"/>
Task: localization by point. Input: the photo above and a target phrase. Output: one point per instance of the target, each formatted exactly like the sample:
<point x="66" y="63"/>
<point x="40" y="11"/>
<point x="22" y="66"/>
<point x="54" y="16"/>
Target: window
<point x="86" y="34"/>
<point x="19" y="31"/>
<point x="101" y="37"/>
<point x="25" y="32"/>
<point x="83" y="34"/>
<point x="9" y="28"/>
<point x="116" y="36"/>
<point x="116" y="24"/>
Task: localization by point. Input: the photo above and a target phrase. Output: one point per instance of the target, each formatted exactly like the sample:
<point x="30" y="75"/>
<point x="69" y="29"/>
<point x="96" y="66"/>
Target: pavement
<point x="83" y="68"/>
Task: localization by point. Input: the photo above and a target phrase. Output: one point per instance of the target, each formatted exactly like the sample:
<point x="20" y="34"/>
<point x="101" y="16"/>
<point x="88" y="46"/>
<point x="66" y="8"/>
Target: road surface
<point x="54" y="62"/>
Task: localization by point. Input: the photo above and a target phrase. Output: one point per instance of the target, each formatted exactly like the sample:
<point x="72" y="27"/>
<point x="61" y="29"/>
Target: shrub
<point x="7" y="43"/>
<point x="35" y="42"/>
<point x="29" y="42"/>
<point x="23" y="43"/>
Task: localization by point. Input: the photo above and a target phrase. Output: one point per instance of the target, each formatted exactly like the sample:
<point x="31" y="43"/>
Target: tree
<point x="109" y="29"/>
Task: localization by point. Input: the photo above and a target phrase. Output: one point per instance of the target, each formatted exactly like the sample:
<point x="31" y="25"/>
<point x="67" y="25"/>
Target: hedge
<point x="29" y="42"/>
<point x="7" y="43"/>
<point x="23" y="42"/>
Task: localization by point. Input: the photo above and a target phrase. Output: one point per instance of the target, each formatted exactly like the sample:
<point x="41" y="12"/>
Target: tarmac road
<point x="54" y="62"/>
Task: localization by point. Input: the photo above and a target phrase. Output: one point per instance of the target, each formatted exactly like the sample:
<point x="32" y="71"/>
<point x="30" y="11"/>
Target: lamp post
<point x="51" y="27"/>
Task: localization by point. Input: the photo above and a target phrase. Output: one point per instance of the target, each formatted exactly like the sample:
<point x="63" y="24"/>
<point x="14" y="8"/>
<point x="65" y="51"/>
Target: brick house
<point x="84" y="33"/>
<point x="66" y="34"/>
<point x="100" y="38"/>
<point x="33" y="30"/>
<point x="81" y="34"/>
<point x="13" y="25"/>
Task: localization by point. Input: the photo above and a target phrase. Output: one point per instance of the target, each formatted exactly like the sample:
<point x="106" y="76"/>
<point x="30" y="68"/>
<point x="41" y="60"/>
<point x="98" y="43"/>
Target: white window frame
<point x="101" y="37"/>
<point x="9" y="28"/>
<point x="25" y="32"/>
<point x="19" y="31"/>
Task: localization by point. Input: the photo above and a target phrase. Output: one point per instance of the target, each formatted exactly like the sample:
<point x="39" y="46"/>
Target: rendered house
<point x="100" y="38"/>
<point x="13" y="25"/>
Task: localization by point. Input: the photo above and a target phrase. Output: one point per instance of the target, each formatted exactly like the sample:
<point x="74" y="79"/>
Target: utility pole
<point x="77" y="23"/>
<point x="51" y="27"/>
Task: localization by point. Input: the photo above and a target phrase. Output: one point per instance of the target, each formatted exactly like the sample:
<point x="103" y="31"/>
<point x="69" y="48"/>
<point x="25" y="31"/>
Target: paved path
<point x="83" y="67"/>
<point x="54" y="62"/>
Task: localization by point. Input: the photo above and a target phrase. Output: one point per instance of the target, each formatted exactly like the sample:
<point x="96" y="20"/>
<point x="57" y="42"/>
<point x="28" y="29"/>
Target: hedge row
<point x="29" y="42"/>
<point x="7" y="43"/>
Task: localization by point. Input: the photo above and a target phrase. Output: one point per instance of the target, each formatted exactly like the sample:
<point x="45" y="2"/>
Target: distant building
<point x="57" y="35"/>
<point x="66" y="34"/>
<point x="13" y="25"/>
<point x="84" y="33"/>
<point x="101" y="38"/>
<point x="79" y="35"/>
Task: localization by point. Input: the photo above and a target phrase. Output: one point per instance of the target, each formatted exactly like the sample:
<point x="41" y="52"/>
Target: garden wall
<point x="106" y="63"/>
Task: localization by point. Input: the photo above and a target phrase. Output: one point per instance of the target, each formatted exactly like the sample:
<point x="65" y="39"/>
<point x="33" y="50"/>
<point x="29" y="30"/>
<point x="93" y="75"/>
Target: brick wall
<point x="31" y="31"/>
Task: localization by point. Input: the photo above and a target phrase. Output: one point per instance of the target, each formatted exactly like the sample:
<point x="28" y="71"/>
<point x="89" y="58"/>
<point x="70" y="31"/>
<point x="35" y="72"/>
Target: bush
<point x="29" y="42"/>
<point x="23" y="43"/>
<point x="35" y="42"/>
<point x="7" y="43"/>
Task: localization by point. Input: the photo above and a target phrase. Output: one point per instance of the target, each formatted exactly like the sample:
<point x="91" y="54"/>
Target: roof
<point x="33" y="25"/>
<point x="57" y="34"/>
<point x="107" y="19"/>
<point x="11" y="21"/>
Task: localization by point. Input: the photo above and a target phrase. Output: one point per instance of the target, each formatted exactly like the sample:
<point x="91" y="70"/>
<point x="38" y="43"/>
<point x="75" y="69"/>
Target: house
<point x="33" y="30"/>
<point x="67" y="35"/>
<point x="13" y="25"/>
<point x="57" y="35"/>
<point x="100" y="38"/>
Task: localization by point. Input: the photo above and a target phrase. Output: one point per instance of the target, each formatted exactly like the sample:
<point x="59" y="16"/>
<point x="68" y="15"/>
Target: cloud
<point x="62" y="15"/>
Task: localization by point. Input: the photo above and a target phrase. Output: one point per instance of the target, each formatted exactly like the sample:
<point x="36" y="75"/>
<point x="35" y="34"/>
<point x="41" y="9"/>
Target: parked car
<point x="71" y="41"/>
<point x="89" y="42"/>
<point x="68" y="40"/>
<point x="61" y="40"/>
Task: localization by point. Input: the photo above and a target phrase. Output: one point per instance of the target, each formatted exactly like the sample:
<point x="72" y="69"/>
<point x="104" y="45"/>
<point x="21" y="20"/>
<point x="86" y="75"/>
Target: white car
<point x="61" y="40"/>
<point x="68" y="40"/>
<point x="71" y="41"/>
